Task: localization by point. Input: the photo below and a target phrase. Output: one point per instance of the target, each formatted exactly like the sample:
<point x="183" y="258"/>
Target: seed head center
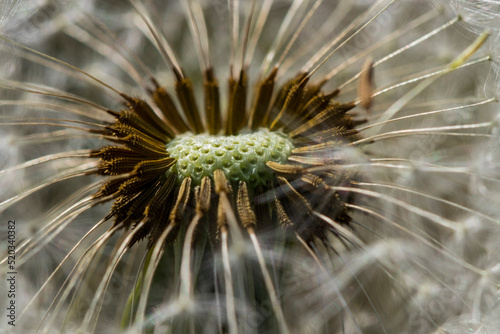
<point x="241" y="157"/>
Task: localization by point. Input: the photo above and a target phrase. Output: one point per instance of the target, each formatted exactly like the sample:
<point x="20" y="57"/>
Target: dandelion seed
<point x="281" y="171"/>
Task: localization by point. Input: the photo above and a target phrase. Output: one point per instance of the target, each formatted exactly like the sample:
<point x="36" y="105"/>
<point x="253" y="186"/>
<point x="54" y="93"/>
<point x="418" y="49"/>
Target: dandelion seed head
<point x="309" y="167"/>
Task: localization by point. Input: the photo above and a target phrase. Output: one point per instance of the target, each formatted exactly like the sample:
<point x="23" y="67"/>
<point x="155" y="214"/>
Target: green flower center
<point x="241" y="158"/>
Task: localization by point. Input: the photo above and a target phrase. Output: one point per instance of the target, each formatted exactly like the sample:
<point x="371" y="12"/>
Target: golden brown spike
<point x="156" y="205"/>
<point x="282" y="95"/>
<point x="158" y="210"/>
<point x="317" y="161"/>
<point x="331" y="115"/>
<point x="312" y="179"/>
<point x="318" y="147"/>
<point x="118" y="166"/>
<point x="143" y="145"/>
<point x="132" y="186"/>
<point x="366" y="86"/>
<point x="164" y="102"/>
<point x="212" y="102"/>
<point x="223" y="189"/>
<point x="121" y="130"/>
<point x="110" y="152"/>
<point x="152" y="210"/>
<point x="152" y="168"/>
<point x="185" y="94"/>
<point x="262" y="100"/>
<point x="283" y="218"/>
<point x="336" y="133"/>
<point x="313" y="90"/>
<point x="134" y="212"/>
<point x="292" y="102"/>
<point x="220" y="182"/>
<point x="316" y="104"/>
<point x="119" y="209"/>
<point x="203" y="196"/>
<point x="144" y="110"/>
<point x="247" y="216"/>
<point x="136" y="140"/>
<point x="284" y="169"/>
<point x="294" y="195"/>
<point x="109" y="188"/>
<point x="221" y="216"/>
<point x="237" y="104"/>
<point x="134" y="120"/>
<point x="177" y="212"/>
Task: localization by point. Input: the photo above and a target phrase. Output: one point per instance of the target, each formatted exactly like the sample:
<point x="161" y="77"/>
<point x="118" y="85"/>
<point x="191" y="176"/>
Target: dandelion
<point x="261" y="166"/>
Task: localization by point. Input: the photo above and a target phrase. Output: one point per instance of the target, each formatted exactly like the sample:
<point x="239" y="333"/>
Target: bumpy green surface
<point x="242" y="157"/>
